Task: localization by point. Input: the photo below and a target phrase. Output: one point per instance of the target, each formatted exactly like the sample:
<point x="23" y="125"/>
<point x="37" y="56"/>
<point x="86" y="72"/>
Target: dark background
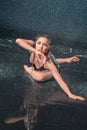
<point x="61" y="19"/>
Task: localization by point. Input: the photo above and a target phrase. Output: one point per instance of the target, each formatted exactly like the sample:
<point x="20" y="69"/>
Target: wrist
<point x="68" y="60"/>
<point x="34" y="51"/>
<point x="69" y="94"/>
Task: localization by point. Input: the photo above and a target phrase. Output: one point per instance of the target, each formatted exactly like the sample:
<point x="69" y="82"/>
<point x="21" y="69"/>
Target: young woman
<point x="43" y="67"/>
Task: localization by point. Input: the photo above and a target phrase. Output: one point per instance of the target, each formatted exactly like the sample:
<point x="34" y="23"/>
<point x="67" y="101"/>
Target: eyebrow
<point x="44" y="43"/>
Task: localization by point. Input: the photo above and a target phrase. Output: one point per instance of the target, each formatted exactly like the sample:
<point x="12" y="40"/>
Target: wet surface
<point x="56" y="110"/>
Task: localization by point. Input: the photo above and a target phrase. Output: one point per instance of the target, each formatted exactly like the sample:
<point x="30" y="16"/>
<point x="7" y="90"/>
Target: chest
<point x="38" y="62"/>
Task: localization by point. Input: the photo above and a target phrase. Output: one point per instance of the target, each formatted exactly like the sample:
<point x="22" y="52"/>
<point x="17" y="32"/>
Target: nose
<point x="41" y="45"/>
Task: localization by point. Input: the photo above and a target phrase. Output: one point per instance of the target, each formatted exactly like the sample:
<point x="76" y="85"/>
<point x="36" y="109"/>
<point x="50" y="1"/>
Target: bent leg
<point x="38" y="75"/>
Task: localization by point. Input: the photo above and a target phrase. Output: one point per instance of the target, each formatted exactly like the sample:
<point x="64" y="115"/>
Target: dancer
<point x="43" y="67"/>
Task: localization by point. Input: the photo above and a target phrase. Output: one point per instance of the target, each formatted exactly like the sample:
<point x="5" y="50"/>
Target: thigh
<point x="38" y="75"/>
<point x="41" y="75"/>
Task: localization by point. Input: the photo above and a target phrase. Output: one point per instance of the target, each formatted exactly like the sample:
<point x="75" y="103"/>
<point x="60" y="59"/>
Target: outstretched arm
<point x="49" y="65"/>
<point x="67" y="60"/>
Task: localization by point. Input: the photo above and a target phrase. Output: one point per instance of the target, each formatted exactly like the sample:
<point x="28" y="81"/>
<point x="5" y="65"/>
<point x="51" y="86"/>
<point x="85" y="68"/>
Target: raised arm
<point x="26" y="44"/>
<point x="49" y="65"/>
<point x="68" y="60"/>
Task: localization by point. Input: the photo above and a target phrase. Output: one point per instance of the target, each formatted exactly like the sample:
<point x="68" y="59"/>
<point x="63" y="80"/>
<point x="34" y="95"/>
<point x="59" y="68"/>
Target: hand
<point x="41" y="57"/>
<point x="73" y="59"/>
<point x="76" y="97"/>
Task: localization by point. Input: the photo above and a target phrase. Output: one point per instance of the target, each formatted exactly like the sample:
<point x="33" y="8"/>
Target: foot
<point x="28" y="69"/>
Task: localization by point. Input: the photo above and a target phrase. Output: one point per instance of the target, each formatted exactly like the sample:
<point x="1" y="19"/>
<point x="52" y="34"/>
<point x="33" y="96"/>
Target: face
<point x="42" y="45"/>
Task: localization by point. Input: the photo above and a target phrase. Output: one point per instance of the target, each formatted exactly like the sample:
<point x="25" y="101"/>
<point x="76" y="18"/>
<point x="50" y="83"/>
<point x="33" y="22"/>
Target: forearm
<point x="26" y="44"/>
<point x="68" y="60"/>
<point x="61" y="60"/>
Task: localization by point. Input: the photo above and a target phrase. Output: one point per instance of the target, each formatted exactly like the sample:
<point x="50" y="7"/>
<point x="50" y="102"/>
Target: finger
<point x="80" y="98"/>
<point x="76" y="59"/>
<point x="40" y="58"/>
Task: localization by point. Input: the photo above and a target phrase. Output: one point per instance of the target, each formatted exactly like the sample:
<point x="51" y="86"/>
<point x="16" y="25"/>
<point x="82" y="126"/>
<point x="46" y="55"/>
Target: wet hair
<point x="45" y="36"/>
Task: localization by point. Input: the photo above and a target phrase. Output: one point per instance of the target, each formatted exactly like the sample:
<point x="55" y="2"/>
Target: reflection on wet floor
<point x="23" y="100"/>
<point x="42" y="100"/>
